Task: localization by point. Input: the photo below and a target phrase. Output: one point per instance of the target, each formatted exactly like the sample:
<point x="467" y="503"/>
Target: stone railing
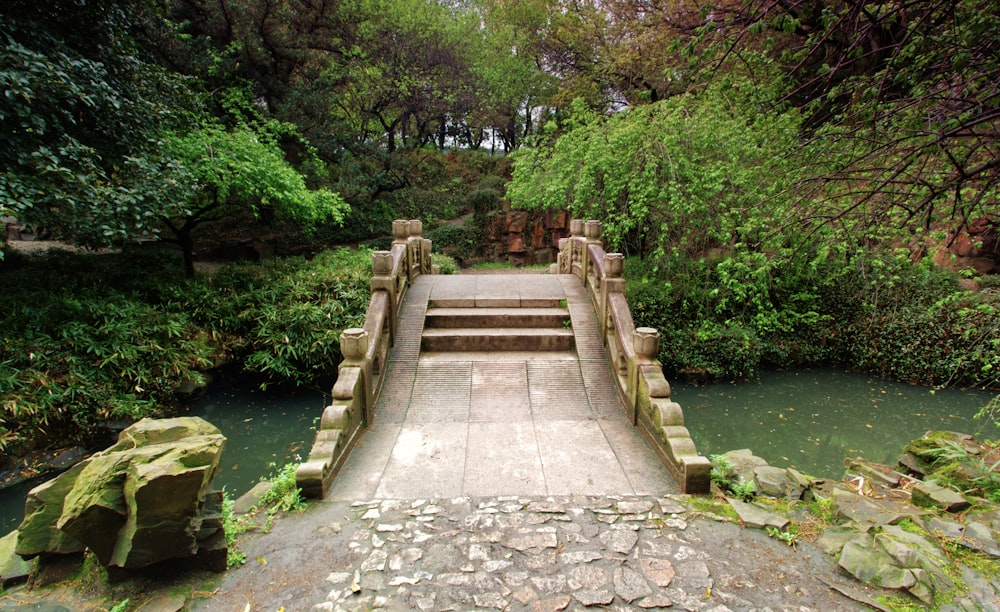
<point x="360" y="374"/>
<point x="633" y="353"/>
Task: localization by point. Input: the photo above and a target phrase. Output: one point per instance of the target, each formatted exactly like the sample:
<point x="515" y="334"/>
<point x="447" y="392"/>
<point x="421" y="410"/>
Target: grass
<point x="282" y="496"/>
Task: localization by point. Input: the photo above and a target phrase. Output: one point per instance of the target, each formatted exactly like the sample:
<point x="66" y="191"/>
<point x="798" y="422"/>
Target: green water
<point x="813" y="419"/>
<point x="261" y="428"/>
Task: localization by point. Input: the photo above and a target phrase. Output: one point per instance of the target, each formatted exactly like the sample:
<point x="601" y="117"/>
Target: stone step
<point x="495" y="317"/>
<point x="498" y="301"/>
<point x="497" y="339"/>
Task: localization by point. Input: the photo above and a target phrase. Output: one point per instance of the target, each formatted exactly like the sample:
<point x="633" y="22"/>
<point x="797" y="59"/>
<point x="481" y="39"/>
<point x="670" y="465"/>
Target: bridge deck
<point x="490" y="424"/>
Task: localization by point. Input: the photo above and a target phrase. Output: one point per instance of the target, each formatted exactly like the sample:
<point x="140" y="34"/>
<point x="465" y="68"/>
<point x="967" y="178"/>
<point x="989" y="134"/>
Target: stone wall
<point x="525" y="238"/>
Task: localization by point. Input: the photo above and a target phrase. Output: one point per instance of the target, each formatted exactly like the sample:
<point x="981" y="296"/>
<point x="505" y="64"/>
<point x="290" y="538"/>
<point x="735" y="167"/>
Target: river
<point x="813" y="419"/>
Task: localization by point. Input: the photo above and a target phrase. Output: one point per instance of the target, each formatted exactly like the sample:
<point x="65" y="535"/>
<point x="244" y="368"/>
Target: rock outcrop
<point x="892" y="526"/>
<point x="144" y="500"/>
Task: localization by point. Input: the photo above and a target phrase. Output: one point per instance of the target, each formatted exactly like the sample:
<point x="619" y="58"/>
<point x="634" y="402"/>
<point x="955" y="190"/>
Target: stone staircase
<point x="544" y="326"/>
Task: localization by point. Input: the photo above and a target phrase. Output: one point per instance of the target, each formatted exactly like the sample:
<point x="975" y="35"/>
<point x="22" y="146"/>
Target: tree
<point x="902" y="101"/>
<point x="241" y="170"/>
<point x="82" y="107"/>
<point x="684" y="176"/>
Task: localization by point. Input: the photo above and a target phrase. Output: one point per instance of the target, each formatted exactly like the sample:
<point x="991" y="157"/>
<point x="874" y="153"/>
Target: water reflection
<point x="813" y="419"/>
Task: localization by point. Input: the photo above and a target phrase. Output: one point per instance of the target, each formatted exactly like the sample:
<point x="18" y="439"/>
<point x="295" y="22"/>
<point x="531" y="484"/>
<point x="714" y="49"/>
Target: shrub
<point x="284" y="317"/>
<point x="90" y="339"/>
<point x="880" y="313"/>
<point x="481" y="202"/>
<point x="458" y="241"/>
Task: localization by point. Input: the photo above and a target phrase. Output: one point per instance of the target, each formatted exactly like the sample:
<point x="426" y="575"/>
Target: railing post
<point x="564" y="261"/>
<point x="354" y="348"/>
<point x="592" y="235"/>
<point x="382" y="280"/>
<point x="576" y="246"/>
<point x="646" y="345"/>
<point x="400" y="231"/>
<point x="614" y="263"/>
<point x="414" y="254"/>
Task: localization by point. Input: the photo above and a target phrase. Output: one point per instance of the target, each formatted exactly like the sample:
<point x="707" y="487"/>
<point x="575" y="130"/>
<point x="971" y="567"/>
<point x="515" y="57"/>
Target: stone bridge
<point x="500" y="384"/>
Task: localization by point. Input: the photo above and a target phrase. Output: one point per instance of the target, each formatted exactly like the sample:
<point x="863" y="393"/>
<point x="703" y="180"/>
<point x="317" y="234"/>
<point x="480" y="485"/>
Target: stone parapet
<point x="633" y="351"/>
<point x="365" y="350"/>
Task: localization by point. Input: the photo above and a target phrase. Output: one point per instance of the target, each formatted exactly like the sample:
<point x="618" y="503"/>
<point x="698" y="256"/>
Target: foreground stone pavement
<point x="523" y="553"/>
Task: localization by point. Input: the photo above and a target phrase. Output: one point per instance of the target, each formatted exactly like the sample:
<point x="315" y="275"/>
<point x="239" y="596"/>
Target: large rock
<point x="13" y="569"/>
<point x="137" y="503"/>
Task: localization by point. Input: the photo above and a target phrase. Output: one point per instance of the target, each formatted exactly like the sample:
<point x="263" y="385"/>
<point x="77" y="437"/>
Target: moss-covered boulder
<point x="139" y="502"/>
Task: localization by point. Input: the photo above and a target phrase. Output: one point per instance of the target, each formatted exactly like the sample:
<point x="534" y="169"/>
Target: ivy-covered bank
<point x="91" y="341"/>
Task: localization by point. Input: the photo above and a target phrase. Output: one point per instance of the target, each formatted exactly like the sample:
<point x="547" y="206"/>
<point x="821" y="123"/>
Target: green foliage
<point x="446" y="264"/>
<point x="234" y="526"/>
<point x="284" y="316"/>
<point x="914" y="323"/>
<point x="728" y="316"/>
<point x="283" y="496"/>
<point x="86" y="341"/>
<point x="80" y="119"/>
<point x="679" y="177"/>
<point x="482" y="202"/>
<point x="245" y="166"/>
<point x="724" y="477"/>
<point x="991" y="411"/>
<point x="787" y="537"/>
<point x="121" y="606"/>
<point x="459" y="241"/>
<point x="91" y="339"/>
<point x="953" y="466"/>
<point x="721" y="469"/>
<point x="242" y="169"/>
<point x="744" y="491"/>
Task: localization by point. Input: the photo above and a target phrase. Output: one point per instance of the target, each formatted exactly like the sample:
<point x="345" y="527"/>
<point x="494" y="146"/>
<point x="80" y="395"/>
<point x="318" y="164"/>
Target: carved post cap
<point x="382" y="263"/>
<point x="354" y="343"/>
<point x="563" y="244"/>
<point x="416" y="227"/>
<point x="646" y="341"/>
<point x="592" y="230"/>
<point x="576" y="227"/>
<point x="614" y="263"/>
<point x="400" y="229"/>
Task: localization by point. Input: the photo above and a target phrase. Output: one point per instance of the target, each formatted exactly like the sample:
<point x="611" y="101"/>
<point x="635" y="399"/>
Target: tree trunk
<point x="186" y="242"/>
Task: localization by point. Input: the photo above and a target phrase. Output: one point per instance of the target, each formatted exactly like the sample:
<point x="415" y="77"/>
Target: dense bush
<point x="884" y="315"/>
<point x="90" y="339"/>
<point x="87" y="339"/>
<point x="459" y="241"/>
<point x="283" y="317"/>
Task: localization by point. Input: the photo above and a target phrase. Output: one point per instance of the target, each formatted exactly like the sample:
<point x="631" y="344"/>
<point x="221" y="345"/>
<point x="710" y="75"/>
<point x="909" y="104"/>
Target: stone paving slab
<point x="524" y="553"/>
